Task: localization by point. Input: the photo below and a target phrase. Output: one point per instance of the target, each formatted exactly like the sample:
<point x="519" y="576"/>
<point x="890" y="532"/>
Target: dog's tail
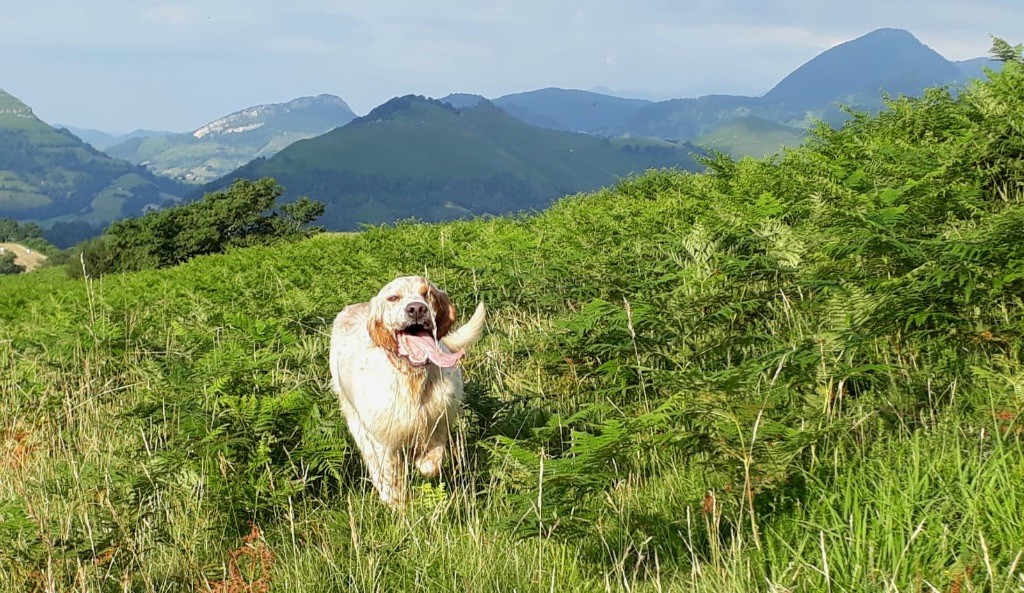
<point x="468" y="334"/>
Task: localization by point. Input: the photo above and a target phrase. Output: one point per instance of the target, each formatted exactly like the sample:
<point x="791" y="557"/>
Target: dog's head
<point x="408" y="317"/>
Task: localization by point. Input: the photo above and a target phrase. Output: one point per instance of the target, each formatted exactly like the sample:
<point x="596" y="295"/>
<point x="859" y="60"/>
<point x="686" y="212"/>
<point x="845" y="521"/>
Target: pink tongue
<point x="421" y="348"/>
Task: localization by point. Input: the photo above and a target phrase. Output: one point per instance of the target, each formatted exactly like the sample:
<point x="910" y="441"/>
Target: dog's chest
<point x="423" y="403"/>
<point x="404" y="408"/>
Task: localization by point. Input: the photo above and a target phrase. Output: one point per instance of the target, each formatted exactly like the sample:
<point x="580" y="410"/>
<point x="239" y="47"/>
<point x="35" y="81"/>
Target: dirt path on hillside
<point x="24" y="256"/>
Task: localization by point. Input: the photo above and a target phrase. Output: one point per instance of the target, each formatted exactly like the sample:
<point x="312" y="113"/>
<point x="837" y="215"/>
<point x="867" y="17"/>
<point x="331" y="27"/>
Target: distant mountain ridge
<point x="102" y="140"/>
<point x="975" y="67"/>
<point x="463" y="100"/>
<point x="462" y="155"/>
<point x="570" y="110"/>
<point x="424" y="158"/>
<point x="856" y="73"/>
<point x="231" y="141"/>
<point x="889" y="60"/>
<point x="48" y="174"/>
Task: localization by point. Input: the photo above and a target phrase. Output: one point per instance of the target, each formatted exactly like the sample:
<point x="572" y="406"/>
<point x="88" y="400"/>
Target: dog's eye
<point x="394" y="298"/>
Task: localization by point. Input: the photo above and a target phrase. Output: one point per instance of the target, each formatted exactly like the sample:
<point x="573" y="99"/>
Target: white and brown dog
<point x="394" y="367"/>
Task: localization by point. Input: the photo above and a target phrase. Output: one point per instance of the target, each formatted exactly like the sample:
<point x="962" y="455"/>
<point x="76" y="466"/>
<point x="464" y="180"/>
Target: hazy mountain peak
<point x="463" y="100"/>
<point x="892" y="59"/>
<point x="322" y="99"/>
<point x="569" y="109"/>
<point x="398" y="105"/>
<point x="887" y="33"/>
<point x="11" y="105"/>
<point x="233" y="140"/>
<point x="252" y="118"/>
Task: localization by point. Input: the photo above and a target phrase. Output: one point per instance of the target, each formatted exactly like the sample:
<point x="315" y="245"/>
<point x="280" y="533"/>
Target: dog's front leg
<point x="387" y="472"/>
<point x="385" y="466"/>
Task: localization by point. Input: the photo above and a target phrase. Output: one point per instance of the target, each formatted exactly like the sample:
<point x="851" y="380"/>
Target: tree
<point x="1004" y="52"/>
<point x="8" y="265"/>
<point x="243" y="214"/>
<point x="297" y="215"/>
<point x="68" y="234"/>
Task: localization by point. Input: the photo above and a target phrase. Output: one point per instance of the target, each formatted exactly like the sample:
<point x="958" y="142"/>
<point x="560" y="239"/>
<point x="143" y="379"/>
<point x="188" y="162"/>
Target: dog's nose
<point x="415" y="310"/>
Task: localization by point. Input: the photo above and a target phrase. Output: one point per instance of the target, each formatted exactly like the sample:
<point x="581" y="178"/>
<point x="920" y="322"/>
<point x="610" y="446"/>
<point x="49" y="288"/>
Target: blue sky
<point x="117" y="65"/>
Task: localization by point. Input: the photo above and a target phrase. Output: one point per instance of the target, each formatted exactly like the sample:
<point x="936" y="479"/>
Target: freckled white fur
<point x="395" y="412"/>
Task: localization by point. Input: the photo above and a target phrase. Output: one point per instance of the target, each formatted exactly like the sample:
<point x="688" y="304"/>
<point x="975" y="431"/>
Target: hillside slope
<point x="415" y="157"/>
<point x="233" y="140"/>
<point x="752" y="136"/>
<point x="47" y="173"/>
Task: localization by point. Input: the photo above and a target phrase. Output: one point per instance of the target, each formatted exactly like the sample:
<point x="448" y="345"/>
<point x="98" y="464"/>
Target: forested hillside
<point x="419" y="158"/>
<point x="47" y="173"/>
<point x="795" y="374"/>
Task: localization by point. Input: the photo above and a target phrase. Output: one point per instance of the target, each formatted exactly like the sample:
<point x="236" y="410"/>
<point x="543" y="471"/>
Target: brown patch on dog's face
<point x="382" y="336"/>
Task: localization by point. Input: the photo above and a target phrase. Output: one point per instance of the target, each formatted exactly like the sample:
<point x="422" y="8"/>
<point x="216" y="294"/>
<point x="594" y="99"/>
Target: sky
<point x="119" y="65"/>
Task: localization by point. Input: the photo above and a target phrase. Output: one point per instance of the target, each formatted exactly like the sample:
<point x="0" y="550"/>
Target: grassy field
<point x="752" y="136"/>
<point x="794" y="374"/>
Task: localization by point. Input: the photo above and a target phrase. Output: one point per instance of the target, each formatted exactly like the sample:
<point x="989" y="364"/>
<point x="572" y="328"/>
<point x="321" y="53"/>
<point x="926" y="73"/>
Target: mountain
<point x="570" y="110"/>
<point x="463" y="100"/>
<point x="103" y="140"/>
<point x="48" y="174"/>
<point x="859" y="71"/>
<point x="975" y="68"/>
<point x="857" y="74"/>
<point x="231" y="141"/>
<point x="422" y="158"/>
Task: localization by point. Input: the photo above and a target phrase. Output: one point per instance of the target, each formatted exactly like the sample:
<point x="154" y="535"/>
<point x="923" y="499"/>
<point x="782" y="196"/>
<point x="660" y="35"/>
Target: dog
<point x="394" y="366"/>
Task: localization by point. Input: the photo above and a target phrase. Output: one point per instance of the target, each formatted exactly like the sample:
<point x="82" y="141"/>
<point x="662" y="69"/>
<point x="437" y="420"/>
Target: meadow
<point x="799" y="373"/>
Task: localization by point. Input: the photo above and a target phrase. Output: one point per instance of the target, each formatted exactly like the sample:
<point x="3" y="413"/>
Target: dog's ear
<point x="444" y="311"/>
<point x="380" y="335"/>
